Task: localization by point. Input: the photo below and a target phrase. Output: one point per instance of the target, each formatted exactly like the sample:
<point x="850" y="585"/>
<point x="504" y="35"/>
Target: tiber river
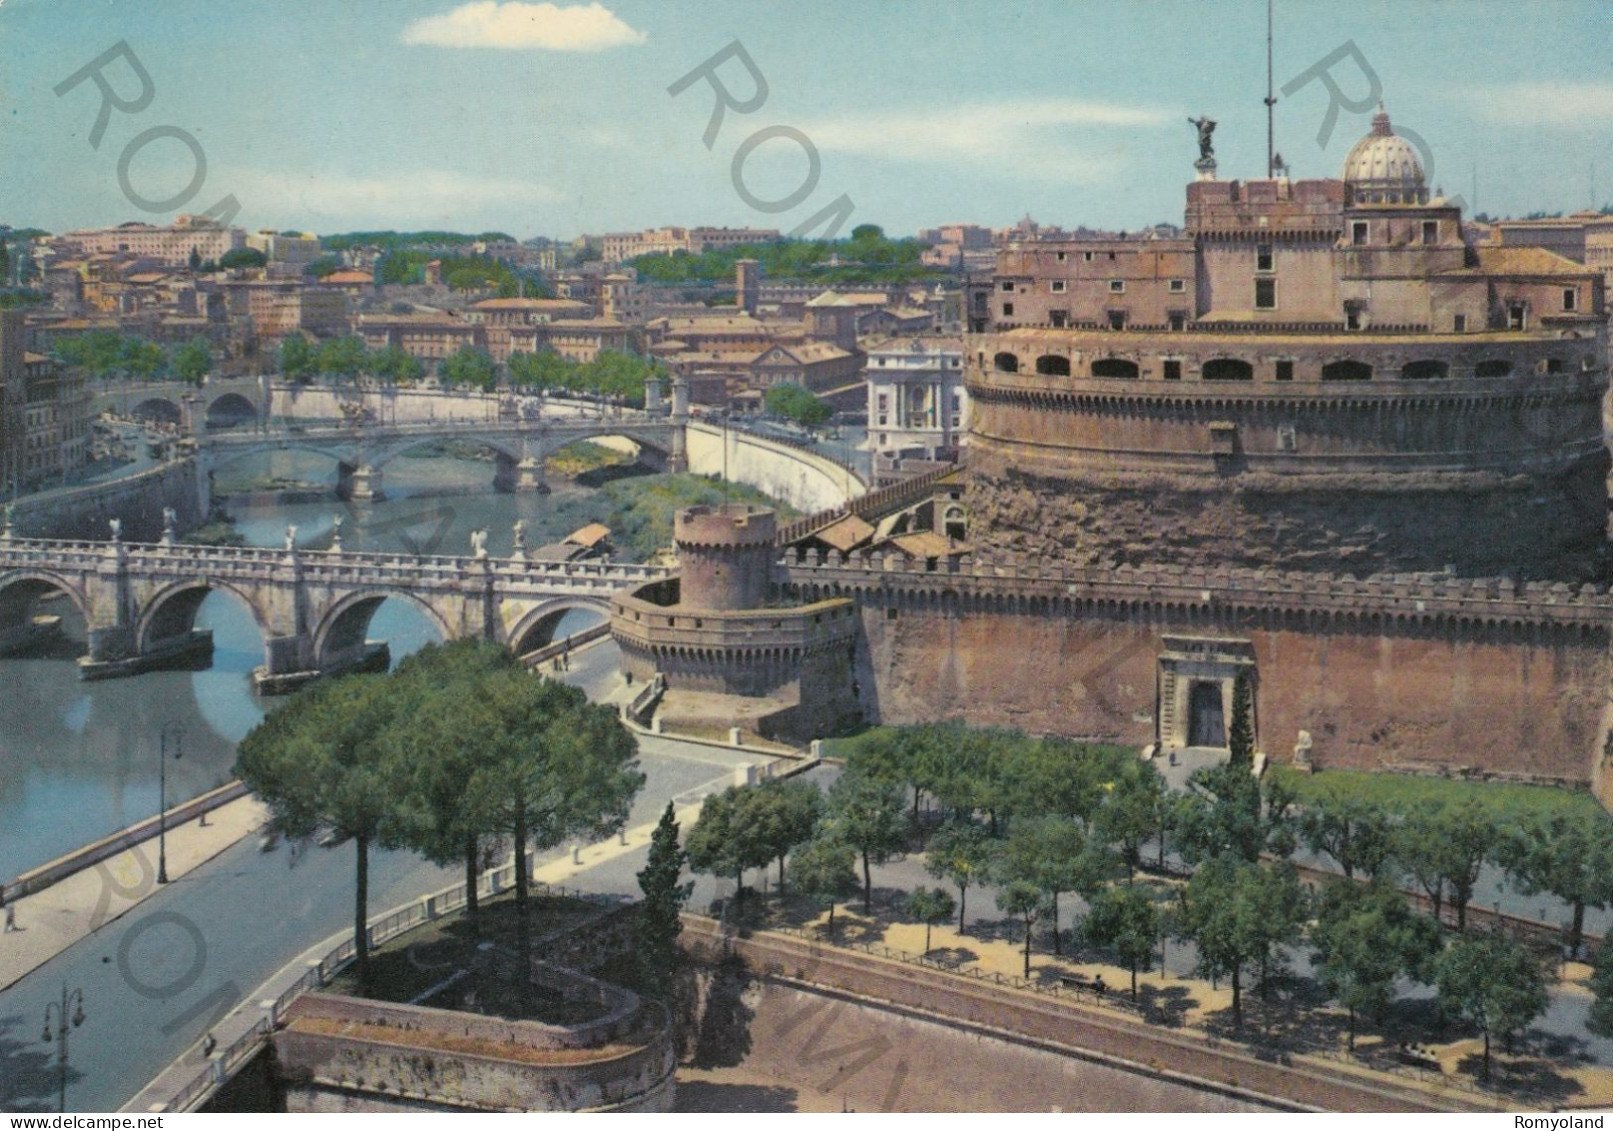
<point x="79" y="760"/>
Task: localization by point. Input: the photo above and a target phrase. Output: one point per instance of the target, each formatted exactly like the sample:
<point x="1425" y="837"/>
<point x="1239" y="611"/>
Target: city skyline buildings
<point x="403" y="115"/>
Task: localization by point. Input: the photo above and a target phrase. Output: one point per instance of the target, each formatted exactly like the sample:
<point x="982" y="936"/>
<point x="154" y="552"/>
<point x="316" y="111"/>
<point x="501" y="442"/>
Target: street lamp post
<point x="73" y="998"/>
<point x="162" y="794"/>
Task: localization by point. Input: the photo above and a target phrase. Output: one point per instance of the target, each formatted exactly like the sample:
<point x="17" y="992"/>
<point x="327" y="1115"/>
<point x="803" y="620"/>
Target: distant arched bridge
<point x="313" y="608"/>
<point x="519" y="447"/>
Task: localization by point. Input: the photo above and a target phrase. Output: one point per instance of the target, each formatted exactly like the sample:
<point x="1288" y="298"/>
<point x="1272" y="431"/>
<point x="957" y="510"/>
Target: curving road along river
<point x="155" y="980"/>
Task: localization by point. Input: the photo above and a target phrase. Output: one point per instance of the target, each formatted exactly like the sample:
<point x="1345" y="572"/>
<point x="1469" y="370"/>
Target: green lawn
<point x="1405" y="791"/>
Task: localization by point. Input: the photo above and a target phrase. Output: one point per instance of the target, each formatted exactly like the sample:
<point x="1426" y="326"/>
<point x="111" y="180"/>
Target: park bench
<point x="1082" y="982"/>
<point x="1419" y="1057"/>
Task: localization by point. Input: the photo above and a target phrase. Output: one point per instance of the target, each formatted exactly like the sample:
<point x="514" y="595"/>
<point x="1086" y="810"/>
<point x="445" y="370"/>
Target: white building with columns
<point x="918" y="409"/>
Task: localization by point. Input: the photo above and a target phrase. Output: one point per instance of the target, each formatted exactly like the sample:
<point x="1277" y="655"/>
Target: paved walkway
<point x="1179" y="765"/>
<point x="50" y="921"/>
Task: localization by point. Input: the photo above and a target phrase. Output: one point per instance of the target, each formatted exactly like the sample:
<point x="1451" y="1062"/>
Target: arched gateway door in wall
<point x="1206" y="722"/>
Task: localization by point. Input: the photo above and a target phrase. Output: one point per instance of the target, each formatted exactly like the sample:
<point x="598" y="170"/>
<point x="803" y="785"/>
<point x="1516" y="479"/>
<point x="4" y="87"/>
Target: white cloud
<point x="1054" y="139"/>
<point x="1544" y="103"/>
<point x="430" y="195"/>
<point x="515" y="25"/>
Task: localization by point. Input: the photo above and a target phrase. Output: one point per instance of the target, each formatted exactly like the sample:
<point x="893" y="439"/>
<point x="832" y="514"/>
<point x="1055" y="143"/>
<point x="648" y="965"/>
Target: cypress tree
<point x="1241" y="738"/>
<point x="655" y="936"/>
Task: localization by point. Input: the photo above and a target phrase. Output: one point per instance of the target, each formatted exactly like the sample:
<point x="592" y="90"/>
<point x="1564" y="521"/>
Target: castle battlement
<point x="1410" y="602"/>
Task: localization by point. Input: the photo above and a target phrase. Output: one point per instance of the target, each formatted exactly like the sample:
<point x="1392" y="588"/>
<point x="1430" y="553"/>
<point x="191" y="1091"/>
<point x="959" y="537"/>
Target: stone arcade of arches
<point x="313" y="608"/>
<point x="519" y="448"/>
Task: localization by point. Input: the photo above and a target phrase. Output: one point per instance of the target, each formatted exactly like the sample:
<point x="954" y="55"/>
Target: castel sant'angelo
<point x="1318" y="375"/>
<point x="1325" y="439"/>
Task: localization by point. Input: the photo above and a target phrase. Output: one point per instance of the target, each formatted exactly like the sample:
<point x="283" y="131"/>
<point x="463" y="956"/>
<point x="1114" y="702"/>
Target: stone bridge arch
<point x="535" y="627"/>
<point x="380" y="455"/>
<point x="20" y="590"/>
<point x="222" y="457"/>
<point x="230" y="410"/>
<point x="160" y="409"/>
<point x="341" y="639"/>
<point x="656" y="440"/>
<point x="343" y="459"/>
<point x="167" y="618"/>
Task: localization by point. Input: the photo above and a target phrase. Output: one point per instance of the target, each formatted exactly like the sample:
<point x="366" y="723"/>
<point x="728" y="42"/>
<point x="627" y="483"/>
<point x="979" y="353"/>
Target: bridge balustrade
<point x="300" y="599"/>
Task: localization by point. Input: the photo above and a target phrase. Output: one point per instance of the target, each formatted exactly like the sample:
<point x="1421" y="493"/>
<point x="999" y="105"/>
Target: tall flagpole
<point x="1271" y="102"/>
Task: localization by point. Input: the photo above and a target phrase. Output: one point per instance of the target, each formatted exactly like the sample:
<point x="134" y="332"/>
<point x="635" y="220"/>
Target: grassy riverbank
<point x="641" y="508"/>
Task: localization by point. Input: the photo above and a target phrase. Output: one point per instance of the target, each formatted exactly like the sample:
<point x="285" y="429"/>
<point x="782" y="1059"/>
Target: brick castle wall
<point x="1510" y="701"/>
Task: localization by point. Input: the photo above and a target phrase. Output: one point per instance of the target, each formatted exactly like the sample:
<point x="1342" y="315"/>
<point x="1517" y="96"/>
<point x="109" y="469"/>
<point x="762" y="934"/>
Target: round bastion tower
<point x="720" y="631"/>
<point x="726" y="555"/>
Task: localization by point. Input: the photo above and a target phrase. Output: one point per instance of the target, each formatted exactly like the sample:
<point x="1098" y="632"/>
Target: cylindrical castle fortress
<point x="1329" y="375"/>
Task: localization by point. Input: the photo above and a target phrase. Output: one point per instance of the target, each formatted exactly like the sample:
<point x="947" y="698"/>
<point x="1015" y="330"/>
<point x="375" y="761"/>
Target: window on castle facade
<point x="1570" y="298"/>
<point x="1058" y="286"/>
<point x="1263" y="257"/>
<point x="1059" y="318"/>
<point x="1285" y="371"/>
<point x="1265" y="294"/>
<point x="1008" y="310"/>
<point x="1358" y="232"/>
<point x="1117" y="286"/>
<point x="1430" y="231"/>
<point x="1178" y="286"/>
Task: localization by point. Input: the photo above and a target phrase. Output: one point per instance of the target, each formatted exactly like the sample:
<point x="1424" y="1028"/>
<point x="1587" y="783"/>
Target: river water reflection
<point x="79" y="760"/>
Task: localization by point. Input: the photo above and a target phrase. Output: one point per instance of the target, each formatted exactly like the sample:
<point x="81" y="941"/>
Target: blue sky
<point x="341" y="114"/>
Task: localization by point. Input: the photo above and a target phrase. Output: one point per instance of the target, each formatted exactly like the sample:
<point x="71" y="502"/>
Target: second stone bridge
<point x="519" y="447"/>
